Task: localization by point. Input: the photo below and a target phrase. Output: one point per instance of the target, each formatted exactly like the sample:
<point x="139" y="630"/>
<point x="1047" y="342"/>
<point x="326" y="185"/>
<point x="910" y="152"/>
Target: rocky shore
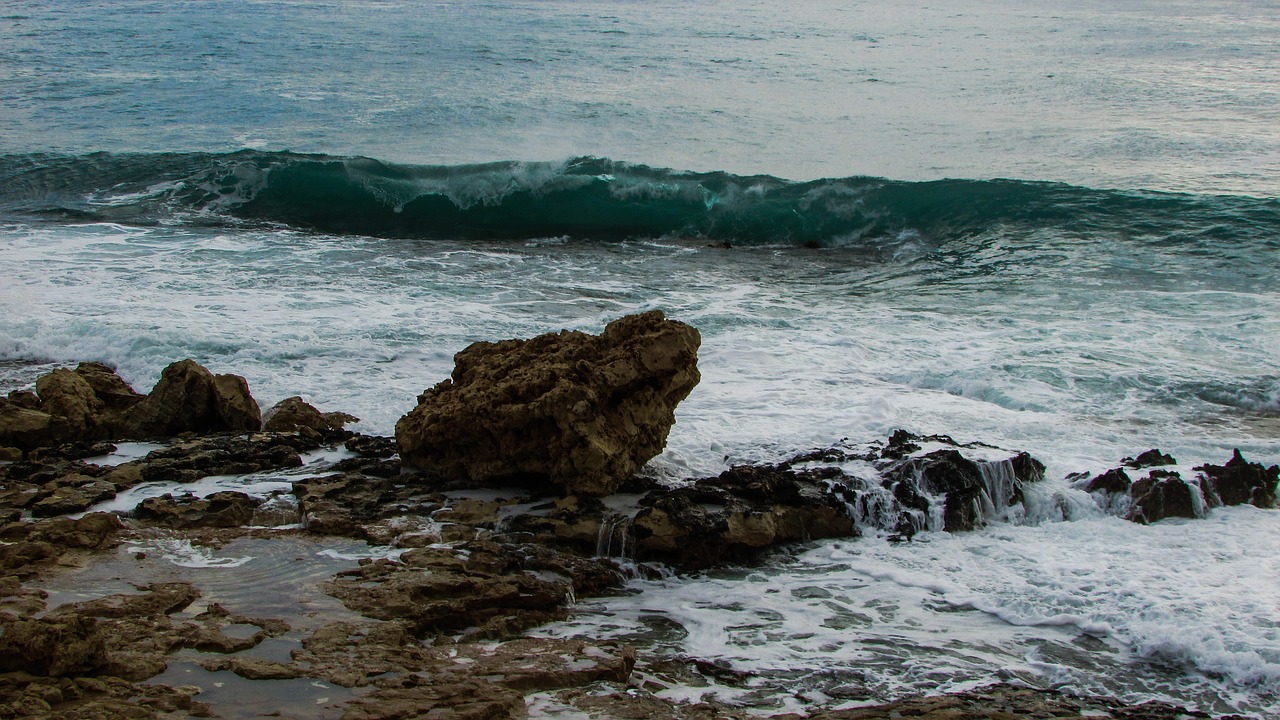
<point x="508" y="494"/>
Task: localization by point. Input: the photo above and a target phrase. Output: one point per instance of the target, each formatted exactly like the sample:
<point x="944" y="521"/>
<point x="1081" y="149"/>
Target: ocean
<point x="1052" y="227"/>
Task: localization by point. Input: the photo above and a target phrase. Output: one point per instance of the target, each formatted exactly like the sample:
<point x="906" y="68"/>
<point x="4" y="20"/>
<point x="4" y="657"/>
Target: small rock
<point x="294" y="414"/>
<point x="1150" y="458"/>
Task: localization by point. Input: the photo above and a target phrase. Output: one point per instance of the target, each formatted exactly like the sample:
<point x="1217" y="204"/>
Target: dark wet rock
<point x="732" y="517"/>
<point x="1162" y="494"/>
<point x="539" y="664"/>
<point x="51" y="645"/>
<point x="73" y="493"/>
<point x="223" y="455"/>
<point x="72" y="451"/>
<point x="1007" y="702"/>
<point x="189" y="398"/>
<point x="224" y="509"/>
<point x="351" y="654"/>
<point x="1150" y="458"/>
<point x="157" y="599"/>
<point x="488" y="680"/>
<point x="1239" y="482"/>
<point x="349" y="504"/>
<point x="581" y="411"/>
<point x="1112" y="482"/>
<point x="25" y="428"/>
<point x="487" y="596"/>
<point x="966" y="487"/>
<point x="371" y="466"/>
<point x="297" y="415"/>
<point x="372" y="446"/>
<point x="901" y="443"/>
<point x="139" y="634"/>
<point x="94" y="531"/>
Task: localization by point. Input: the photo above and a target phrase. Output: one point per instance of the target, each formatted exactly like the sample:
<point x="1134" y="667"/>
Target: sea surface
<point x="1049" y="226"/>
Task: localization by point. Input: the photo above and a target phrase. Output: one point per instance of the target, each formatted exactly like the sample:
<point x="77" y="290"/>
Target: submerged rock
<point x="580" y="411"/>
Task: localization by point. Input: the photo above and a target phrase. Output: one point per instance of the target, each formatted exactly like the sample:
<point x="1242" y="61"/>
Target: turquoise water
<point x="1052" y="226"/>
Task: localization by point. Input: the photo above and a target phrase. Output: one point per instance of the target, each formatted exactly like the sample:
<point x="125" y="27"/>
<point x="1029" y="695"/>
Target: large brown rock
<point x="189" y="398"/>
<point x="582" y="411"/>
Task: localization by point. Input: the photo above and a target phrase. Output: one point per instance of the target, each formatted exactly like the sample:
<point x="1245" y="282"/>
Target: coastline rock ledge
<point x="579" y="410"/>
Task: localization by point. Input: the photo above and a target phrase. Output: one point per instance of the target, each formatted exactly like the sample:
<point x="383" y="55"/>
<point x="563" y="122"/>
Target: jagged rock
<point x="235" y="407"/>
<point x="1162" y="494"/>
<point x="219" y="509"/>
<point x="581" y="411"/>
<point x="189" y="398"/>
<point x="350" y="653"/>
<point x="295" y="415"/>
<point x="51" y="645"/>
<point x="1239" y="482"/>
<point x="1150" y="458"/>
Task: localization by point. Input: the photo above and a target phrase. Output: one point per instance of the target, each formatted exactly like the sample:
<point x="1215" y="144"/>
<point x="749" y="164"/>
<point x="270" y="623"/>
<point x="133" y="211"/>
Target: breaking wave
<point x="590" y="198"/>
